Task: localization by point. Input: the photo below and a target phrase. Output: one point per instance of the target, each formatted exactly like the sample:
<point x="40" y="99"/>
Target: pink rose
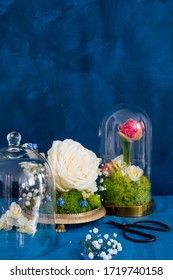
<point x="131" y="130"/>
<point x="107" y="169"/>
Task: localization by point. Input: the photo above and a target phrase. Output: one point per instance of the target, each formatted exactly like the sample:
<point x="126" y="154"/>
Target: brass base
<point x="130" y="211"/>
<point x="63" y="219"/>
<point x="60" y="228"/>
<point x="60" y="220"/>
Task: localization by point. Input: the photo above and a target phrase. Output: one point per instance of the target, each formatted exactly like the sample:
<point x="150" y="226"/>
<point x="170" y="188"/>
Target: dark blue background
<point x="65" y="63"/>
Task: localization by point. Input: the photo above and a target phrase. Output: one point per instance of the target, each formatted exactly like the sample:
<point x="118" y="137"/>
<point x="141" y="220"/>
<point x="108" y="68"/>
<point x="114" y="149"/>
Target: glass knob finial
<point x="14" y="138"/>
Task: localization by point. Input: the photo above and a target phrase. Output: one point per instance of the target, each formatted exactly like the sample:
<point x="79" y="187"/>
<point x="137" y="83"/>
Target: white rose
<point x="3" y="223"/>
<point x="11" y="221"/>
<point x="134" y="172"/>
<point x="119" y="162"/>
<point x="26" y="226"/>
<point x="73" y="166"/>
<point x="14" y="211"/>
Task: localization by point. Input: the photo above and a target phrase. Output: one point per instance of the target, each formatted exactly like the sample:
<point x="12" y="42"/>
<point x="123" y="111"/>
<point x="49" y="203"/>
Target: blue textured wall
<point x="65" y="63"/>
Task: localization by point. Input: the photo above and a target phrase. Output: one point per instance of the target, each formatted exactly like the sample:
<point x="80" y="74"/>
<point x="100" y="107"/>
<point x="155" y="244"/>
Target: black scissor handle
<point x="148" y="237"/>
<point x="159" y="226"/>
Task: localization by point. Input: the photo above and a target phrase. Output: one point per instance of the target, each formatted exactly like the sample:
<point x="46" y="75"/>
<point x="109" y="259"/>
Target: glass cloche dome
<point x="125" y="148"/>
<point x="27" y="229"/>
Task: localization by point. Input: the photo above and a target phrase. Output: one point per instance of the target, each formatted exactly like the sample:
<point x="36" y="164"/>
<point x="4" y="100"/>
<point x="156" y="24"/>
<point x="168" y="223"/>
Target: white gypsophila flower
<point x="115" y="251"/>
<point x="102" y="254"/>
<point x="107" y="257"/>
<point x="110" y="251"/>
<point x="134" y="172"/>
<point x="114" y="244"/>
<point x="106" y="236"/>
<point x="119" y="162"/>
<point x="96" y="244"/>
<point x="29" y="194"/>
<point x="91" y="256"/>
<point x="109" y="243"/>
<point x="114" y="235"/>
<point x="100" y="240"/>
<point x="95" y="230"/>
<point x="88" y="236"/>
<point x="27" y="203"/>
<point x="73" y="166"/>
<point x="119" y="247"/>
<point x="14" y="210"/>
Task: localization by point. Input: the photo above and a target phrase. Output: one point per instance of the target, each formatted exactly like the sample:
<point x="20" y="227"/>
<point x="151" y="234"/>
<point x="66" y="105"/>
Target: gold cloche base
<point x="130" y="211"/>
<point x="63" y="219"/>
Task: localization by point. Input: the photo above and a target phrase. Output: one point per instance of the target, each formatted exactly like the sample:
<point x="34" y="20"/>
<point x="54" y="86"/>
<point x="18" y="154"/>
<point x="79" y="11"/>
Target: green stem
<point x="126" y="147"/>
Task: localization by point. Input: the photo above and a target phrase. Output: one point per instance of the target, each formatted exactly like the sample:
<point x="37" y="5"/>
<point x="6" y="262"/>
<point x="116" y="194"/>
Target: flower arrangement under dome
<point x="75" y="170"/>
<point x="14" y="218"/>
<point x="123" y="183"/>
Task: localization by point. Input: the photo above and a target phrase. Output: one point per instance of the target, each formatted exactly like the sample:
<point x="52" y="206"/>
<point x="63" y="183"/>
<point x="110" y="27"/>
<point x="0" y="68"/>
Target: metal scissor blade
<point x="122" y="226"/>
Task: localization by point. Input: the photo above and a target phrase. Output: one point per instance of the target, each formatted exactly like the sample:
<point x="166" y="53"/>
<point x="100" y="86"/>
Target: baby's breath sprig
<point x="98" y="246"/>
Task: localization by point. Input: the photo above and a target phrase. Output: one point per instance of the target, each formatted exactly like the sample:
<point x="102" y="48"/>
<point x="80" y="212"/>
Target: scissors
<point x="143" y="224"/>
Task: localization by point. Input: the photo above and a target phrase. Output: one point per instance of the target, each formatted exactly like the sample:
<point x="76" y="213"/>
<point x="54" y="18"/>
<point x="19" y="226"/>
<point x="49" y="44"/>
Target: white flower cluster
<point x="14" y="218"/>
<point x="96" y="246"/>
<point x="132" y="171"/>
<point x="33" y="189"/>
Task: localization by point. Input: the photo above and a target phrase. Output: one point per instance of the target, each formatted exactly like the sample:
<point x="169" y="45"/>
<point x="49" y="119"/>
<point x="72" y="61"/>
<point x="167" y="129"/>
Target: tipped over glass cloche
<point x="27" y="229"/>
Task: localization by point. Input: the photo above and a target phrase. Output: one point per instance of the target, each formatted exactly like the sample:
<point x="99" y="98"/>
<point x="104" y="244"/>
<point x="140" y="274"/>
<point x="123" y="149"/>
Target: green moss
<point x="85" y="209"/>
<point x="122" y="192"/>
<point x="94" y="201"/>
<point x="72" y="201"/>
<point x="142" y="191"/>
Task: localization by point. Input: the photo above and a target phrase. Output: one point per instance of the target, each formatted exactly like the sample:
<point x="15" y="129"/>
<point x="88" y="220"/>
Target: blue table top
<point x="67" y="245"/>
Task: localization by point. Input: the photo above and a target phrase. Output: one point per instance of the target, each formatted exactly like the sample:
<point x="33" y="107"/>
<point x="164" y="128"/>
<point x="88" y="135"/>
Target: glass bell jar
<point x="125" y="148"/>
<point x="27" y="229"/>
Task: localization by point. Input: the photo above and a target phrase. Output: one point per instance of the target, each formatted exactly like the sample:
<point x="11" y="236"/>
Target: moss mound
<point x="72" y="202"/>
<point x="94" y="201"/>
<point x="122" y="192"/>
